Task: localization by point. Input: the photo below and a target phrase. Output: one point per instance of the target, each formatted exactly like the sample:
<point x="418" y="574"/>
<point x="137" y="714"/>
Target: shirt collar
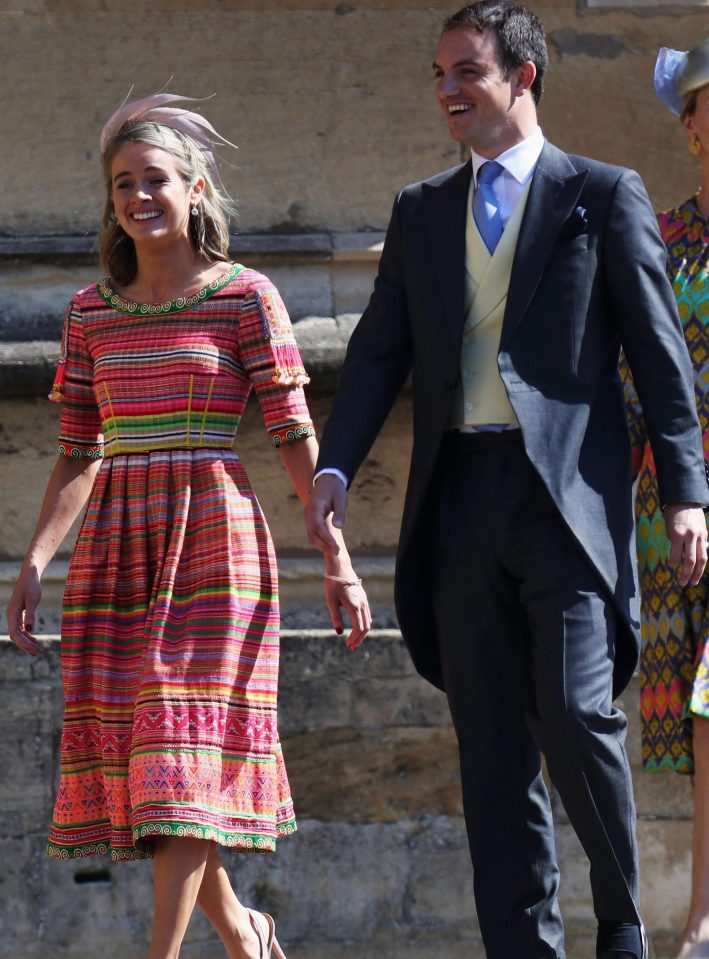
<point x="519" y="161"/>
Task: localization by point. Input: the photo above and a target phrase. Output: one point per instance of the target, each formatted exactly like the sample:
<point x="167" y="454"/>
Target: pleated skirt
<point x="170" y="647"/>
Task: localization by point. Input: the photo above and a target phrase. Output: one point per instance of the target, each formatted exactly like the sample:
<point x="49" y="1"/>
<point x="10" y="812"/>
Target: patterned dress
<point x="170" y="624"/>
<point x="674" y="663"/>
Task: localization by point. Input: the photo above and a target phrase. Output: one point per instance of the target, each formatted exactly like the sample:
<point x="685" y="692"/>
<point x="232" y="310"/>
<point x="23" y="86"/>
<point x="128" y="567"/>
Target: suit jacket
<point x="588" y="276"/>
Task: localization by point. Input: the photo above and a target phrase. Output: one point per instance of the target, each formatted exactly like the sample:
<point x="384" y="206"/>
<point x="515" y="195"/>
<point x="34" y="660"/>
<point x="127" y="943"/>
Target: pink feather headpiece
<point x="154" y="108"/>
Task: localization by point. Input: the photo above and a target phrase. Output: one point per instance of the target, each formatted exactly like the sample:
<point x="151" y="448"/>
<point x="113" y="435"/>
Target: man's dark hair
<point x="519" y="32"/>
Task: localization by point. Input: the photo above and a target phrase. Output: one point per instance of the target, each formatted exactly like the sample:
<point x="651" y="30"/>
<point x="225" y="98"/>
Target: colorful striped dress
<point x="170" y="631"/>
<point x="674" y="662"/>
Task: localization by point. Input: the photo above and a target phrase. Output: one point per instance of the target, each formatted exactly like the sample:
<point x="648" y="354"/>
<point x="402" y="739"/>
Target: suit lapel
<point x="553" y="195"/>
<point x="444" y="206"/>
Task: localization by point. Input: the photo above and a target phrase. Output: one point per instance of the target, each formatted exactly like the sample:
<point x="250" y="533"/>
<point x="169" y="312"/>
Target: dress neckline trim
<point x="124" y="305"/>
<point x="691" y="207"/>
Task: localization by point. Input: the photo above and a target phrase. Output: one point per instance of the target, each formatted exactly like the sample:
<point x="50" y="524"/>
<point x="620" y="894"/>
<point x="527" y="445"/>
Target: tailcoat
<point x="588" y="277"/>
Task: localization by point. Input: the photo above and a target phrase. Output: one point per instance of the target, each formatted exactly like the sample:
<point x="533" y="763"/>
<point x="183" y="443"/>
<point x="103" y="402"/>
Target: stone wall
<point x="379" y="867"/>
<point x="333" y="107"/>
<point x="27" y="452"/>
<point x="331" y="103"/>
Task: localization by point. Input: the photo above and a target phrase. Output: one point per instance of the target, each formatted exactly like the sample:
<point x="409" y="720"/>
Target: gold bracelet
<point x="345" y="582"/>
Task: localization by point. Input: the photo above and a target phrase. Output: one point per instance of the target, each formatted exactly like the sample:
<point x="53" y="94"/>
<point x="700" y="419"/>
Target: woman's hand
<point x="21" y="610"/>
<point x="67" y="491"/>
<point x="687" y="532"/>
<point x="343" y="590"/>
<point x="351" y="597"/>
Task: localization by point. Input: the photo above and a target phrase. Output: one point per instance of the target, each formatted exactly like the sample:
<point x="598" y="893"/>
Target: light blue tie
<point x="486" y="209"/>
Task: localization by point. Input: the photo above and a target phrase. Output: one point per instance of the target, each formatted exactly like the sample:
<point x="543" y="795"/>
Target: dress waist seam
<point x="126" y="449"/>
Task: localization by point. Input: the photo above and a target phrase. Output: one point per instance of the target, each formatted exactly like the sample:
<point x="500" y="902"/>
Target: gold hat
<point x="696" y="70"/>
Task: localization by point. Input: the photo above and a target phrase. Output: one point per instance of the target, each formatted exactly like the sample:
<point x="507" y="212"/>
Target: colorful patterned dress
<point x="674" y="663"/>
<point x="170" y="632"/>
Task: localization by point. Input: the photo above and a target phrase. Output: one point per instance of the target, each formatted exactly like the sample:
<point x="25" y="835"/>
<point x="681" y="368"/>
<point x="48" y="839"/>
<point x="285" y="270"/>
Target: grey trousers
<point x="527" y="639"/>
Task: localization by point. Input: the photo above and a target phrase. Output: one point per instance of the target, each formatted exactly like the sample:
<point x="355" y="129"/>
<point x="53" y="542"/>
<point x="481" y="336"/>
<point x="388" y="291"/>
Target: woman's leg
<point x="178" y="869"/>
<point x="230" y="918"/>
<point x="695" y="938"/>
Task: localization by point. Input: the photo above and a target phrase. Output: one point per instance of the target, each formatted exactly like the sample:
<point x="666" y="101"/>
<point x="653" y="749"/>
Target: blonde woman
<point x="170" y="623"/>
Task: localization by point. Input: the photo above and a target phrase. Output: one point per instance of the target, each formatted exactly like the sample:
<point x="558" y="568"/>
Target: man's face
<point x="474" y="93"/>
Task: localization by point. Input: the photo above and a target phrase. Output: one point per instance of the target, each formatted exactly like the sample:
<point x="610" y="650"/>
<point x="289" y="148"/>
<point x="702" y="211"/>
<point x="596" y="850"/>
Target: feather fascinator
<point x="155" y="108"/>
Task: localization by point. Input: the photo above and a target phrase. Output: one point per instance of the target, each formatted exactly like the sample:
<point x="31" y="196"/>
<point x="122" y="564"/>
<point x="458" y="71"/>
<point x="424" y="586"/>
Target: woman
<point x="674" y="669"/>
<point x="170" y="627"/>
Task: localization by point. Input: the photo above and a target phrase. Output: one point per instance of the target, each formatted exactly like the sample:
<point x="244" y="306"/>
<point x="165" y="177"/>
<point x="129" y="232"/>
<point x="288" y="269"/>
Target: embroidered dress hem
<point x="683" y="766"/>
<point x="140" y="846"/>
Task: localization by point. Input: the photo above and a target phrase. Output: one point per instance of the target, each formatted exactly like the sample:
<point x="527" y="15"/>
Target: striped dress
<point x="170" y="623"/>
<point x="674" y="662"/>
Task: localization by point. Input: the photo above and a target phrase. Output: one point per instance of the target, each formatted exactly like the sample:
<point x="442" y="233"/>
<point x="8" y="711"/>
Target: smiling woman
<point x="170" y="627"/>
<point x="153" y="172"/>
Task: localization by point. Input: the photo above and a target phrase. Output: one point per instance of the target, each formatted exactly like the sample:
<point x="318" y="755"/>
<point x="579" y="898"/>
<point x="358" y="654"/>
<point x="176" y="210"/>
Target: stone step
<point x="300" y="587"/>
<point x="379" y="866"/>
<point x="325" y="279"/>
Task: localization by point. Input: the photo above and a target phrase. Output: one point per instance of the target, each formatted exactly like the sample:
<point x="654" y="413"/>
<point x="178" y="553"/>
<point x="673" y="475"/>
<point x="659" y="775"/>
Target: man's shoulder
<point x="599" y="170"/>
<point x="462" y="170"/>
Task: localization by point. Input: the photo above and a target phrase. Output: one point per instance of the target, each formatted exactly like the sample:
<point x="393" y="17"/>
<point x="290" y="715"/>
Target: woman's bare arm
<point x="299" y="458"/>
<point x="67" y="491"/>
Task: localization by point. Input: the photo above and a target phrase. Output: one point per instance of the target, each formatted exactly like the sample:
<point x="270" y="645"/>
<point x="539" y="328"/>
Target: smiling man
<point x="507" y="286"/>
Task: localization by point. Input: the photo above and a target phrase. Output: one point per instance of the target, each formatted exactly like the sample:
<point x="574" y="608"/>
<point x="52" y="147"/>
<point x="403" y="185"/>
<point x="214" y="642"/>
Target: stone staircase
<point x="379" y="868"/>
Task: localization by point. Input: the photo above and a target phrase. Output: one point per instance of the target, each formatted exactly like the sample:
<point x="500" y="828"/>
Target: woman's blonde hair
<point x="208" y="230"/>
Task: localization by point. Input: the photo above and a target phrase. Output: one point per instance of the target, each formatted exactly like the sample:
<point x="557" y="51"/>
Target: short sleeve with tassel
<point x="80" y="424"/>
<point x="270" y="356"/>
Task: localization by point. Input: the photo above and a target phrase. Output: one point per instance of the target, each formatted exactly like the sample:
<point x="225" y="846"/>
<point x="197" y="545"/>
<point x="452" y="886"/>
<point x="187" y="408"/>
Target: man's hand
<point x="687" y="533"/>
<point x="328" y="497"/>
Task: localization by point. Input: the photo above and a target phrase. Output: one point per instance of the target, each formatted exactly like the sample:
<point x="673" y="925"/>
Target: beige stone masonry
<point x="379" y="868"/>
<point x="330" y="102"/>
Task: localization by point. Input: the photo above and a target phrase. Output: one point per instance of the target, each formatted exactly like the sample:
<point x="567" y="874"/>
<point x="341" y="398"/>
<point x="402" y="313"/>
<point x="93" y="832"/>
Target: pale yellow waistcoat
<point x="481" y="396"/>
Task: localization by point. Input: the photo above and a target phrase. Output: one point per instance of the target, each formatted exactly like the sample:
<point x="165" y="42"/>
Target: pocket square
<point x="576" y="225"/>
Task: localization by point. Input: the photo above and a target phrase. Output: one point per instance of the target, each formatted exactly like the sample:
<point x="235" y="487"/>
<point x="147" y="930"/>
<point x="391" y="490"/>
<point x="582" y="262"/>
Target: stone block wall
<point x="331" y="103"/>
<point x="379" y="867"/>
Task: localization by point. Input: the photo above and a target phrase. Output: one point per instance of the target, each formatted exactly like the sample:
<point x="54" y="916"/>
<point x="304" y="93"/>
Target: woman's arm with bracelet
<point x="343" y="588"/>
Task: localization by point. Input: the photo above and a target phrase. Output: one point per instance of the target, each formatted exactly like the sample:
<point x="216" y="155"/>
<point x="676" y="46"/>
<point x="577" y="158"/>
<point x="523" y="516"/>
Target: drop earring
<point x="695" y="146"/>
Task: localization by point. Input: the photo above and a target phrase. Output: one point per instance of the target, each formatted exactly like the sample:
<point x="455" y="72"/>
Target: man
<point x="507" y="289"/>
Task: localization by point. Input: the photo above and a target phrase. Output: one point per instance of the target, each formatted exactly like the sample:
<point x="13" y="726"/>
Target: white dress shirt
<point x="518" y="163"/>
<point x="518" y="166"/>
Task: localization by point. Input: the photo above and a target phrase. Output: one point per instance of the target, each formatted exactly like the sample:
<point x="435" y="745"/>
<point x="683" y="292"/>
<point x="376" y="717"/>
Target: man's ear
<point x="524" y="78"/>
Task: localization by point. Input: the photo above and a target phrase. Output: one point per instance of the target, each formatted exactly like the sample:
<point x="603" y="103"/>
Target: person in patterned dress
<point x="674" y="664"/>
<point x="170" y="625"/>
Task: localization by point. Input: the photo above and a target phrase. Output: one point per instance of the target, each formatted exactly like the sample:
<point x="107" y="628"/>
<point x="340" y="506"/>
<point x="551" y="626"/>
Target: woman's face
<point x="151" y="200"/>
<point x="698" y="122"/>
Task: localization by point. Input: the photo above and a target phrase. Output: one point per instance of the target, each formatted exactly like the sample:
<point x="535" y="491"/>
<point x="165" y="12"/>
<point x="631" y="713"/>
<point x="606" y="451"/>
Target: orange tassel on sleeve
<point x="57" y="391"/>
<point x="277" y="329"/>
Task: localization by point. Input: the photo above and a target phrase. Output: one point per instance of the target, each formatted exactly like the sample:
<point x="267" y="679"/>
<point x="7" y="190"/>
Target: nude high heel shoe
<point x="265" y="928"/>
